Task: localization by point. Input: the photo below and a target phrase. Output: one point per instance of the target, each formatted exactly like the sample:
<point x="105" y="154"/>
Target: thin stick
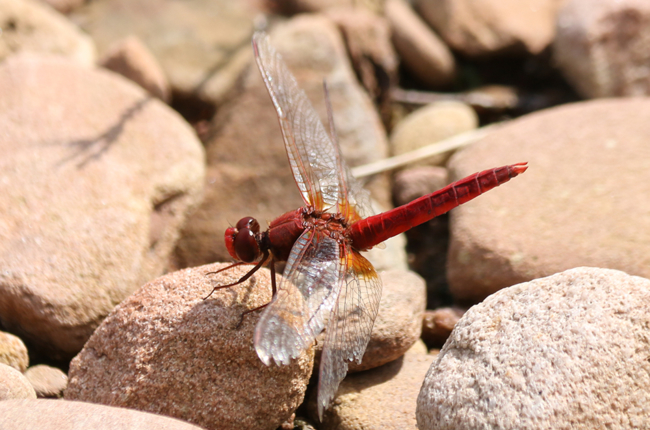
<point x="425" y="152"/>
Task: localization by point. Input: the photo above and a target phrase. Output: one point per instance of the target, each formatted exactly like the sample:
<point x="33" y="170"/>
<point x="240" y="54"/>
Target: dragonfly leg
<point x="257" y="267"/>
<point x="273" y="288"/>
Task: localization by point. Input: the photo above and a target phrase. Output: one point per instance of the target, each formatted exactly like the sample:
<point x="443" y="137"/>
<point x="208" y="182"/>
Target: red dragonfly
<point x="327" y="284"/>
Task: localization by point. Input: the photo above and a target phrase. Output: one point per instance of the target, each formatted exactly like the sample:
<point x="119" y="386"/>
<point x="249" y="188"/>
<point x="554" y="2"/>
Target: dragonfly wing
<point x="312" y="155"/>
<point x="349" y="327"/>
<point x="353" y="200"/>
<point x="305" y="298"/>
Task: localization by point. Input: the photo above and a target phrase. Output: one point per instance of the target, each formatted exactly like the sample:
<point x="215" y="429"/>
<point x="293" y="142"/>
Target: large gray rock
<point x="96" y="179"/>
<point x="168" y="351"/>
<point x="60" y="415"/>
<point x="31" y="26"/>
<point x="579" y="203"/>
<point x="567" y="351"/>
<point x="248" y="173"/>
<point x="602" y="46"/>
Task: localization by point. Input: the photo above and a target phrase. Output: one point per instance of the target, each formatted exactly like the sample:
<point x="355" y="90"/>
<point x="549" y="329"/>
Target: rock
<point x="398" y="324"/>
<point x="399" y="321"/>
<point x="48" y="382"/>
<point x="30" y="26"/>
<point x="418" y="347"/>
<point x="367" y="38"/>
<point x="431" y="124"/>
<point x="64" y="6"/>
<point x="391" y="257"/>
<point x="198" y="43"/>
<point x="131" y="58"/>
<point x="166" y="350"/>
<point x="383" y="397"/>
<point x="59" y="414"/>
<point x="437" y="325"/>
<point x="478" y="28"/>
<point x="420" y="49"/>
<point x="601" y="47"/>
<point x="292" y="7"/>
<point x="414" y="182"/>
<point x="13" y="352"/>
<point x="13" y="385"/>
<point x="97" y="192"/>
<point x="542" y="354"/>
<point x="248" y="173"/>
<point x="578" y="204"/>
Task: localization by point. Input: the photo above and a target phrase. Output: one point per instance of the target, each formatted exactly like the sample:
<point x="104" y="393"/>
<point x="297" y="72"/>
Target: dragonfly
<point x="327" y="285"/>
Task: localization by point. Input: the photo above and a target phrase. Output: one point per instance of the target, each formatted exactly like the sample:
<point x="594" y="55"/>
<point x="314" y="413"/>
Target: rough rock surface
<point x="578" y="204"/>
<point x="248" y="172"/>
<point x="197" y="42"/>
<point x="166" y="350"/>
<point x="567" y="351"/>
<point x="14" y="385"/>
<point x="48" y="382"/>
<point x="13" y="352"/>
<point x="479" y="28"/>
<point x="96" y="178"/>
<point x="420" y="49"/>
<point x="131" y="58"/>
<point x="381" y="398"/>
<point x="30" y="26"/>
<point x="58" y="414"/>
<point x="602" y="47"/>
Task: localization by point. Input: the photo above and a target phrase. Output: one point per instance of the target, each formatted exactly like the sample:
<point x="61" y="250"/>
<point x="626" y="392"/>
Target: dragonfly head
<point x="241" y="240"/>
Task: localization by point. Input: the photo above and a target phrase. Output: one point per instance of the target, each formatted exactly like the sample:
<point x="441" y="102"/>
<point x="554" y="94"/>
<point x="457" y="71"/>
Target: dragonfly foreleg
<point x="273" y="288"/>
<point x="244" y="278"/>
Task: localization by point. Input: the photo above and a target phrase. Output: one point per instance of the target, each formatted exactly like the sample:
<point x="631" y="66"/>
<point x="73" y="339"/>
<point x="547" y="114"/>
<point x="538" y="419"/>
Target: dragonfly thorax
<point x="242" y="241"/>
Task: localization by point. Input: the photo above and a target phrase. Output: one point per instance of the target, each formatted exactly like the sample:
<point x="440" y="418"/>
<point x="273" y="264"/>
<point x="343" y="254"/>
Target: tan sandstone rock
<point x="579" y="203"/>
<point x="14" y="385"/>
<point x="482" y="27"/>
<point x="96" y="178"/>
<point x="58" y="414"/>
<point x="602" y="47"/>
<point x="167" y="350"/>
<point x="13" y="352"/>
<point x="30" y="26"/>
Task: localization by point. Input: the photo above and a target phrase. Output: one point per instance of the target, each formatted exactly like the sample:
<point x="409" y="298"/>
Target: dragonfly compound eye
<point x="246" y="246"/>
<point x="249" y="223"/>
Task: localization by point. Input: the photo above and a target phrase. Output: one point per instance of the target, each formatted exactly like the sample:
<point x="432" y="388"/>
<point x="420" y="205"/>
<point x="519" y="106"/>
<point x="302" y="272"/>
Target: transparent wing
<point x="316" y="163"/>
<point x="349" y="327"/>
<point x="305" y="298"/>
<point x="353" y="200"/>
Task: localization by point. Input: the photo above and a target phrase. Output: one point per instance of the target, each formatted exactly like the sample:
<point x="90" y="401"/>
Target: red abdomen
<point x="373" y="230"/>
